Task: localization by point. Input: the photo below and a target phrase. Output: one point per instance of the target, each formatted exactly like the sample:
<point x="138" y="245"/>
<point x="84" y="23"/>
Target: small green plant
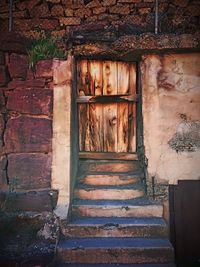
<point x="44" y="48"/>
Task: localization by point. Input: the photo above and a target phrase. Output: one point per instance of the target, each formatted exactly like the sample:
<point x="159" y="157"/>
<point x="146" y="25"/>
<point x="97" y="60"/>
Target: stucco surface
<point x="171" y="116"/>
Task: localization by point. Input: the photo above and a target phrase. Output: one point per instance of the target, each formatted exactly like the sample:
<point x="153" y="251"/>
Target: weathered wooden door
<point x="106" y="94"/>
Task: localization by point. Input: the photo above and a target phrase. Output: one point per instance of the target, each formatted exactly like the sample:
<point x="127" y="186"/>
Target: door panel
<point x="109" y="78"/>
<point x="123" y="78"/>
<point x="110" y="127"/>
<point x="96" y="127"/>
<point x="122" y="127"/>
<point x="106" y="102"/>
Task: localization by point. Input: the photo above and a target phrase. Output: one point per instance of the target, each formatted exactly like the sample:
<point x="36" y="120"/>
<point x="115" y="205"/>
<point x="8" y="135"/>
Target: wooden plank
<point x="109" y="78"/>
<point x="132" y="109"/>
<point x="108" y="155"/>
<point x="96" y="77"/>
<point x="110" y="127"/>
<point x="96" y="127"/>
<point x="83" y="127"/>
<point x="123" y="77"/>
<point x="106" y="99"/>
<point x="132" y="128"/>
<point x="132" y="78"/>
<point x="83" y="78"/>
<point x="122" y="128"/>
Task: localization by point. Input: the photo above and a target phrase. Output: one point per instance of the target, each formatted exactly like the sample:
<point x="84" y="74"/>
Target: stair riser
<point x="109" y="167"/>
<point x="109" y="180"/>
<point x="116" y="255"/>
<point x="118" y="211"/>
<point x="111" y="194"/>
<point x="116" y="231"/>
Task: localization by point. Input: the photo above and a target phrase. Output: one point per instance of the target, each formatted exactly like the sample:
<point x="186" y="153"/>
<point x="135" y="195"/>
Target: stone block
<point x="193" y="10"/>
<point x="82" y="12"/>
<point x="57" y="11"/>
<point x="108" y="2"/>
<point x="29" y="171"/>
<point x="21" y="5"/>
<point x="2" y="58"/>
<point x="32" y="101"/>
<point x="36" y="83"/>
<point x="69" y="12"/>
<point x="28" y="134"/>
<point x="99" y="10"/>
<point x="35" y="201"/>
<point x="44" y="69"/>
<point x="3" y="76"/>
<point x="3" y="174"/>
<point x="2" y="125"/>
<point x="3" y="180"/>
<point x="40" y="11"/>
<point x="18" y="66"/>
<point x="62" y="70"/>
<point x="15" y="42"/>
<point x="93" y="3"/>
<point x="32" y="3"/>
<point x="181" y="3"/>
<point x="54" y="1"/>
<point x="2" y="101"/>
<point x="70" y="21"/>
<point x="20" y="14"/>
<point x="22" y="24"/>
<point x="120" y="9"/>
<point x="45" y="24"/>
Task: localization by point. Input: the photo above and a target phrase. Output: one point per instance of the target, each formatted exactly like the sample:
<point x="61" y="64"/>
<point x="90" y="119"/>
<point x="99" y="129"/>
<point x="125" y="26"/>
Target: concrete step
<point x="108" y="166"/>
<point x="118" y="265"/>
<point x="109" y="192"/>
<point x="115" y="250"/>
<point x="114" y="227"/>
<point x="140" y="207"/>
<point x="109" y="179"/>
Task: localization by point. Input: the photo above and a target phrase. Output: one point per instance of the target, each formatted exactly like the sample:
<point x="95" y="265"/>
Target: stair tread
<point x="115" y="242"/>
<point x="133" y="202"/>
<point x="119" y="265"/>
<point x="132" y="186"/>
<point x="88" y="221"/>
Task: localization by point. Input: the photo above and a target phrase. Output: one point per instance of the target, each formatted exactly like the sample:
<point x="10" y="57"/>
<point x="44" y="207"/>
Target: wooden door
<point x="106" y="97"/>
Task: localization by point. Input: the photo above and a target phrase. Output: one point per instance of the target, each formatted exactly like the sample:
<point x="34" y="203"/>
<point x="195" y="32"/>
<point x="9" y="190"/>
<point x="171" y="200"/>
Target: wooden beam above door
<point x="108" y="155"/>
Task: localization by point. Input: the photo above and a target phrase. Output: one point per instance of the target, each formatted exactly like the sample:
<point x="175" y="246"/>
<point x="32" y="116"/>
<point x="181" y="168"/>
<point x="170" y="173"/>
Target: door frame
<point x="139" y="124"/>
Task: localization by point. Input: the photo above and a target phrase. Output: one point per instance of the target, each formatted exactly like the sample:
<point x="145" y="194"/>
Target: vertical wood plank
<point x="96" y="127"/>
<point x="96" y="77"/>
<point x="122" y="128"/>
<point x="132" y="127"/>
<point x="109" y="78"/>
<point x="83" y="127"/>
<point x="132" y="79"/>
<point x="123" y="77"/>
<point x="83" y="78"/>
<point x="110" y="127"/>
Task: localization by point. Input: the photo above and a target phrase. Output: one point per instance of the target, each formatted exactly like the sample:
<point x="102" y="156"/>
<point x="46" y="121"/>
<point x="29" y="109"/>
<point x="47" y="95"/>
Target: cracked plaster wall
<point x="171" y="116"/>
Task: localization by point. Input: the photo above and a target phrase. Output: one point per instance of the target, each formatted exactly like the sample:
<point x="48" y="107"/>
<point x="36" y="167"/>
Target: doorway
<point x="106" y="99"/>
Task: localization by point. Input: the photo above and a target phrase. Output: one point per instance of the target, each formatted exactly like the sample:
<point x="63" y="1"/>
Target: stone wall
<point x="171" y="112"/>
<point x="26" y="106"/>
<point x="63" y="17"/>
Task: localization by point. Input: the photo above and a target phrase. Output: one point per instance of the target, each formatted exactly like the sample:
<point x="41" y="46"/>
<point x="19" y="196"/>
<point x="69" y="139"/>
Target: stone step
<point x="114" y="227"/>
<point x="108" y="166"/>
<point x="109" y="192"/>
<point x="109" y="179"/>
<point x="115" y="250"/>
<point x="117" y="208"/>
<point x="118" y="265"/>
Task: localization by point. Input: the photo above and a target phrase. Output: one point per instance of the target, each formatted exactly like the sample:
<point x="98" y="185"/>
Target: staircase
<point x="113" y="223"/>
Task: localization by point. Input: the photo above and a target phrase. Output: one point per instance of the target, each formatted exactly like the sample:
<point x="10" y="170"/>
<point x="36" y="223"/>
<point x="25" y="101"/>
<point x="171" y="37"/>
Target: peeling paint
<point x="187" y="137"/>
